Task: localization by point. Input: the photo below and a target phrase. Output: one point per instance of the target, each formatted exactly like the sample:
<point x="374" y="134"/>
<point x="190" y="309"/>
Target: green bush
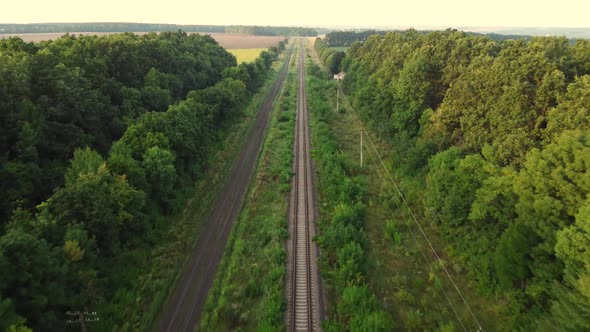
<point x="341" y="238"/>
<point x="391" y="232"/>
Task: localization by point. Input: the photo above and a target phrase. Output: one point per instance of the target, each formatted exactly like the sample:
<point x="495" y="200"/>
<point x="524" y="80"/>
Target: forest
<point x="329" y="56"/>
<point x="498" y="133"/>
<point x="346" y="38"/>
<point x="101" y="138"/>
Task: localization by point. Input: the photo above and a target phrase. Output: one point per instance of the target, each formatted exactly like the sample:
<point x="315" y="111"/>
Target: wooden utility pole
<point x="361" y="147"/>
<point x="337" y="97"/>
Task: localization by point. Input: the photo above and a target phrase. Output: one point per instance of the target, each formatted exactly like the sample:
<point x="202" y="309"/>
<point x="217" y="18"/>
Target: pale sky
<point x="494" y="13"/>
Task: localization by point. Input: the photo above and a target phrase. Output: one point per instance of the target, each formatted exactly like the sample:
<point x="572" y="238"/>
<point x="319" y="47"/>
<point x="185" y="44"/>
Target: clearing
<point x="246" y="54"/>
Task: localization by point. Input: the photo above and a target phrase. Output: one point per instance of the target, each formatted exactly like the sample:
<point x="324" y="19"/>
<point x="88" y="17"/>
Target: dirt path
<point x="183" y="309"/>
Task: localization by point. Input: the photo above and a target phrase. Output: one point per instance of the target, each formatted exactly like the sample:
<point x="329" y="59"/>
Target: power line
<point x="424" y="255"/>
<point x="409" y="209"/>
<point x="418" y="243"/>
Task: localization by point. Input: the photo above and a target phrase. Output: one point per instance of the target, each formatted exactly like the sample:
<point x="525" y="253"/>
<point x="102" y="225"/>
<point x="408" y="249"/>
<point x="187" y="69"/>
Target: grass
<point x="155" y="267"/>
<point x="248" y="290"/>
<point x="408" y="288"/>
<point x="246" y="54"/>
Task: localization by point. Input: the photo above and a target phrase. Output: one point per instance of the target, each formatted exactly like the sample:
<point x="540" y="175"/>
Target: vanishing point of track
<point x="303" y="284"/>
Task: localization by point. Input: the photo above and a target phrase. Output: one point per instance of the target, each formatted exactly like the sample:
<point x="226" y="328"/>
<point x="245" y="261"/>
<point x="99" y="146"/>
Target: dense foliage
<point x="75" y="92"/>
<point x="329" y="56"/>
<point x="346" y="38"/>
<point x="342" y="241"/>
<point x="500" y="132"/>
<point x="106" y="131"/>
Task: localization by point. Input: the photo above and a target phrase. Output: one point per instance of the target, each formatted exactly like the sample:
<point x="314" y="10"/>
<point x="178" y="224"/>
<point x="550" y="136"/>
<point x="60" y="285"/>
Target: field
<point x="226" y="40"/>
<point x="246" y="54"/>
<point x="238" y="41"/>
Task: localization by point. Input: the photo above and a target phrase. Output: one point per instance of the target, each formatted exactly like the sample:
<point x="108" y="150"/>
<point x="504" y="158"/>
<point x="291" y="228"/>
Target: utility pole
<point x="361" y="147"/>
<point x="337" y="97"/>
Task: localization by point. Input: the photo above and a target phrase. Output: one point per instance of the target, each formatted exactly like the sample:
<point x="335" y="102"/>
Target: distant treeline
<point x="571" y="33"/>
<point x="105" y="27"/>
<point x="147" y="27"/>
<point x="346" y="38"/>
<point x="272" y="31"/>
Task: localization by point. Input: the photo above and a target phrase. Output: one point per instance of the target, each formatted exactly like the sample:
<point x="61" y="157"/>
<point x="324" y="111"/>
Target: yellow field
<point x="246" y="54"/>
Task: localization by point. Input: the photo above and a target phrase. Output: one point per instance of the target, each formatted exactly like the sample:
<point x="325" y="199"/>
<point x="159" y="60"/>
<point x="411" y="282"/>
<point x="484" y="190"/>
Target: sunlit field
<point x="246" y="54"/>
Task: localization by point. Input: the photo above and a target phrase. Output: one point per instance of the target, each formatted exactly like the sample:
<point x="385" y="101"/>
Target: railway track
<point x="184" y="307"/>
<point x="303" y="281"/>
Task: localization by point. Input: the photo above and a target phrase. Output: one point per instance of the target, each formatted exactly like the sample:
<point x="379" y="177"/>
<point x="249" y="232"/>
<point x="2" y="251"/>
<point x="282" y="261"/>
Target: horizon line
<point x="313" y="26"/>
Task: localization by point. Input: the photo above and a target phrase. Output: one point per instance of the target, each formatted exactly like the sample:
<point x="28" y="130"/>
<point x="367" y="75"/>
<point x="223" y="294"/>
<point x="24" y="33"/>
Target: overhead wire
<point x="361" y="125"/>
<point x="424" y="255"/>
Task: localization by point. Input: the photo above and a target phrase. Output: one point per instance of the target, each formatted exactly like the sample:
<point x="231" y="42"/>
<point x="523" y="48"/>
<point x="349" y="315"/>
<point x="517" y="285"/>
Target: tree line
<point x="151" y="27"/>
<point x="99" y="136"/>
<point x="346" y="38"/>
<point x="272" y="31"/>
<point x="105" y="27"/>
<point x="329" y="56"/>
<point x="499" y="132"/>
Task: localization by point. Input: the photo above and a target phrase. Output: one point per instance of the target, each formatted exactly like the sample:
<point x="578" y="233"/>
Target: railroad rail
<point x="303" y="305"/>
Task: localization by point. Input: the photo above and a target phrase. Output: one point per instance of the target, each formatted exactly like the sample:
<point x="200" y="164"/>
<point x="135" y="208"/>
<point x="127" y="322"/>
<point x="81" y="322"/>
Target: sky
<point x="439" y="13"/>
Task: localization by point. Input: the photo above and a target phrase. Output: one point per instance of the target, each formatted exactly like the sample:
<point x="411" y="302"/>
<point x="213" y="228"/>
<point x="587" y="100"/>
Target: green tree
<point x="8" y="316"/>
<point x="121" y="162"/>
<point x="104" y="204"/>
<point x="452" y="183"/>
<point x="570" y="309"/>
<point x="512" y="256"/>
<point x="551" y="189"/>
<point x="572" y="111"/>
<point x="161" y="174"/>
<point x="32" y="277"/>
<point x="85" y="161"/>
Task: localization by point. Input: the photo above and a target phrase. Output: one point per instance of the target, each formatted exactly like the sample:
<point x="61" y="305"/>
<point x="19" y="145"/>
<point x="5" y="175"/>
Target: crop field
<point x="226" y="40"/>
<point x="239" y="41"/>
<point x="246" y="54"/>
